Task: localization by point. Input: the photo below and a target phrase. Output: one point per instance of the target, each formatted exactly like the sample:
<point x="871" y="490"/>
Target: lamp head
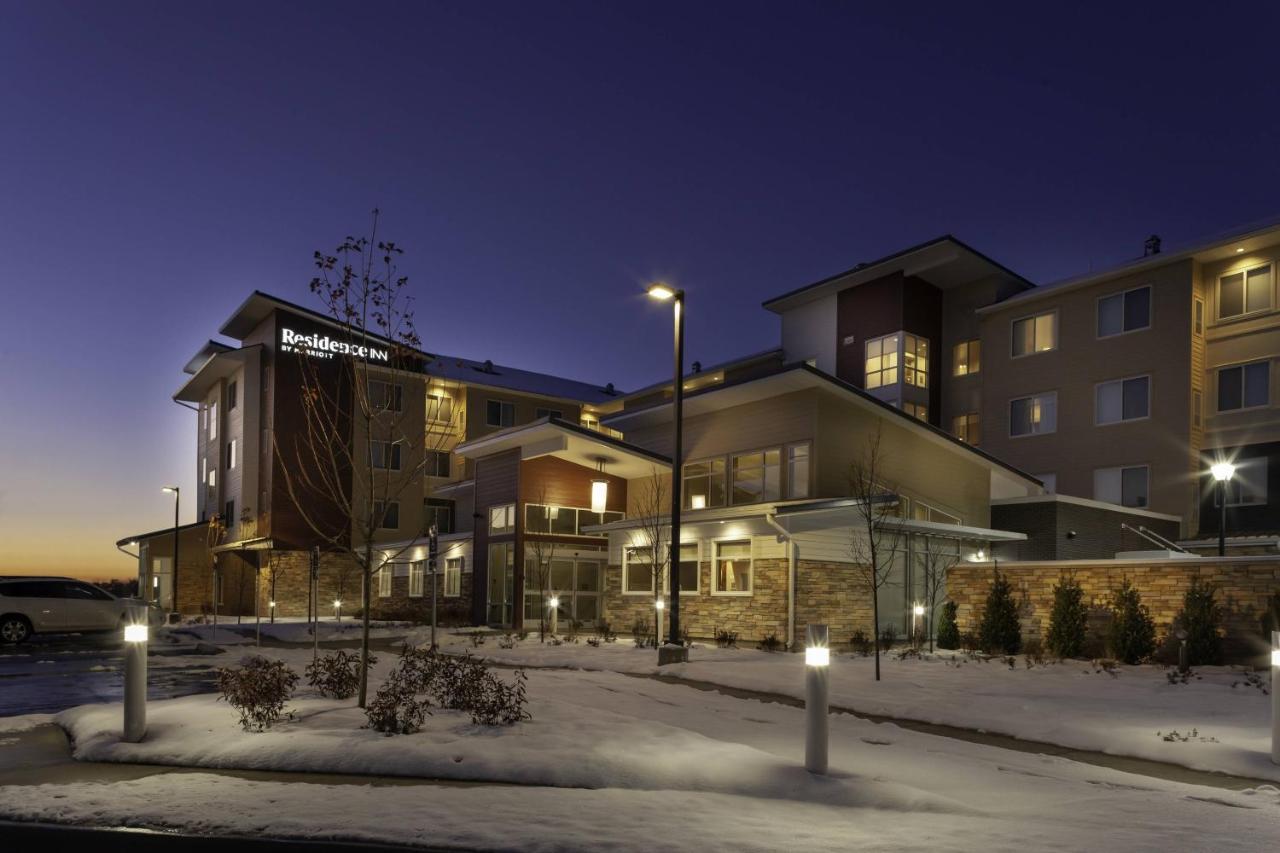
<point x="659" y="603"/>
<point x="337" y="602"/>
<point x="661" y="292"/>
<point x="817" y="656"/>
<point x="173" y="490"/>
<point x="1222" y="471"/>
<point x="918" y="610"/>
<point x="553" y="602"/>
<point x="135" y="633"/>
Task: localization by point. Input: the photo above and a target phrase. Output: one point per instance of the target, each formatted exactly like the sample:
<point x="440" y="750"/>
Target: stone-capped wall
<point x="1246" y="585"/>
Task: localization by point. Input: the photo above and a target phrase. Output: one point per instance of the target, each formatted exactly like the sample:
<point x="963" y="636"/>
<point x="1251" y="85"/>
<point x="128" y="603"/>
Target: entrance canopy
<point x="551" y="436"/>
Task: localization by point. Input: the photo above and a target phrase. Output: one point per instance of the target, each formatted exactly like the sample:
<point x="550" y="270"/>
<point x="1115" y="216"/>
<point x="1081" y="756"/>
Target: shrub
<point x="1132" y="638"/>
<point x="726" y="639"/>
<point x="453" y="615"/>
<point x="606" y="632"/>
<point x="860" y="643"/>
<point x="1201" y="618"/>
<point x="424" y="678"/>
<point x="999" y="630"/>
<point x="337" y="674"/>
<point x="887" y="638"/>
<point x="257" y="690"/>
<point x="642" y="632"/>
<point x="948" y="628"/>
<point x="1068" y="619"/>
<point x="771" y="643"/>
<point x="477" y="638"/>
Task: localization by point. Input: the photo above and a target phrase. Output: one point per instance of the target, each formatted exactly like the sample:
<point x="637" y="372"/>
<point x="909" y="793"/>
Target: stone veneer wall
<point x="400" y="605"/>
<point x="752" y="617"/>
<point x="339" y="577"/>
<point x="1245" y="588"/>
<point x="833" y="594"/>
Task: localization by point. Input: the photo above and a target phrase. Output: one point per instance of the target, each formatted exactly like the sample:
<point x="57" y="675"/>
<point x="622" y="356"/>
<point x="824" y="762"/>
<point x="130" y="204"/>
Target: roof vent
<point x="1152" y="246"/>
<point x="697" y="367"/>
<point x="488" y="366"/>
<point x="608" y="389"/>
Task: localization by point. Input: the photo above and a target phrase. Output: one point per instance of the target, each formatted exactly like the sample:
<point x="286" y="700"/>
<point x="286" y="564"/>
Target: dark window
<point x="33" y="589"/>
<point x="385" y="396"/>
<point x="440" y="514"/>
<point x="230" y="518"/>
<point x="84" y="592"/>
<point x="500" y="414"/>
<point x="390" y="519"/>
<point x="1124" y="312"/>
<point x="1244" y="386"/>
<point x="437" y="463"/>
<point x="549" y="413"/>
<point x="385" y="454"/>
<point x="231" y="396"/>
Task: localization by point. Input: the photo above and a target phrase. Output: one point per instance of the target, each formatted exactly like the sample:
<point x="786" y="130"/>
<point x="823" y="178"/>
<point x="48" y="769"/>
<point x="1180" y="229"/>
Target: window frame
<point x="213" y="420"/>
<point x="503" y="406"/>
<point x="1032" y="396"/>
<point x="970" y="346"/>
<point x="1097" y="312"/>
<point x="431" y="456"/>
<point x="381" y="461"/>
<point x="507" y="529"/>
<point x="764" y="468"/>
<point x="1233" y="495"/>
<point x="438" y="402"/>
<point x="686" y="495"/>
<point x="1146" y="466"/>
<point x="972" y="423"/>
<point x="1217" y="386"/>
<point x="233" y="394"/>
<point x="716" y="545"/>
<point x="881" y="371"/>
<point x="396" y="393"/>
<point x="1097" y="388"/>
<point x="696" y="544"/>
<point x="392" y="509"/>
<point x="454" y="572"/>
<point x="418" y="573"/>
<point x="385" y="572"/>
<point x="544" y="412"/>
<point x="1244" y="297"/>
<point x="789" y="469"/>
<point x="232" y="447"/>
<point x="1053" y="312"/>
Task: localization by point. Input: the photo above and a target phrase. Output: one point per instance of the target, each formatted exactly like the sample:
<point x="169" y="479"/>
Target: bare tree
<point x="876" y="535"/>
<point x="936" y="560"/>
<point x="653" y="506"/>
<point x="214" y="532"/>
<point x="543" y="552"/>
<point x="360" y="451"/>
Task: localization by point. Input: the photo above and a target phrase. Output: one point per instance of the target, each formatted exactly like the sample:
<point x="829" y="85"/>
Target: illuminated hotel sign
<point x="323" y="346"/>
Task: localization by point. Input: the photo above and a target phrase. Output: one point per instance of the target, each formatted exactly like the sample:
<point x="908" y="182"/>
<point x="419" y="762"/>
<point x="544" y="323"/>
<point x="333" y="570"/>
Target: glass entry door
<point x="575" y="582"/>
<point x="501" y="583"/>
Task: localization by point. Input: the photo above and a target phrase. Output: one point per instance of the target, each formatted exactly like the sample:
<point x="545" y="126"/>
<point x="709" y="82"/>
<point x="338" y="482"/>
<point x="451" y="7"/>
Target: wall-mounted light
<point x="599" y="489"/>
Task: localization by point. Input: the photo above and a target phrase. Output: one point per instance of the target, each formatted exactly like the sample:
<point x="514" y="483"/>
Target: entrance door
<point x="576" y="583"/>
<point x="161" y="583"/>
<point x="501" y="583"/>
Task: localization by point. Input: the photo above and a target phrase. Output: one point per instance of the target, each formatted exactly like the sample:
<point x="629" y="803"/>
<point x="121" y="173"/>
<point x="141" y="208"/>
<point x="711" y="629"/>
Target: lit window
<point x="1126" y="485"/>
<point x="1035" y="334"/>
<point x="502" y="519"/>
<point x="385" y="454"/>
<point x="213" y="420"/>
<point x="231" y="454"/>
<point x="965" y="428"/>
<point x="882" y="361"/>
<point x="453" y="577"/>
<point x="439" y="409"/>
<point x="704" y="484"/>
<point x="1244" y="292"/>
<point x="437" y="463"/>
<point x="915" y="361"/>
<point x="390" y="519"/>
<point x="500" y="414"/>
<point x="204" y="470"/>
<point x="756" y="477"/>
<point x="919" y="411"/>
<point x="385" y="396"/>
<point x="384" y="580"/>
<point x="1198" y="321"/>
<point x="1244" y="386"/>
<point x="416" y="574"/>
<point x="967" y="358"/>
<point x="1123" y="400"/>
<point x="733" y="568"/>
<point x="798" y="471"/>
<point x="1124" y="312"/>
<point x="1034" y="415"/>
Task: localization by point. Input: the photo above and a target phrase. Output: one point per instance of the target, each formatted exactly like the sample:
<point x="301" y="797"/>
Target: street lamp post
<point x="1222" y="474"/>
<point x="676" y="653"/>
<point x="173" y="585"/>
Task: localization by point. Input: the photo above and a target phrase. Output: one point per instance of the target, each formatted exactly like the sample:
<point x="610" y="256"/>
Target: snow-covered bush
<point x="399" y="707"/>
<point x="726" y="639"/>
<point x="337" y="674"/>
<point x="258" y="690"/>
<point x="1201" y="618"/>
<point x="1132" y="638"/>
<point x="860" y="643"/>
<point x="999" y="630"/>
<point x="1068" y="619"/>
<point x="771" y="643"/>
<point x="948" y="627"/>
<point x="424" y="679"/>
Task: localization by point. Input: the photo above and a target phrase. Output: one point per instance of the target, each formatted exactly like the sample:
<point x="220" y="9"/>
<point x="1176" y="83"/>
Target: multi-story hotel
<point x="1070" y="421"/>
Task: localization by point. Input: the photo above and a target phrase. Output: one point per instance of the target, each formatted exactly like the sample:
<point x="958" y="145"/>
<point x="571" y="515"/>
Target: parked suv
<point x="49" y="605"/>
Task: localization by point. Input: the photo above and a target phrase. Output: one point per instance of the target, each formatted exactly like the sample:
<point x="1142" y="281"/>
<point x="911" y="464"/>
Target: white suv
<point x="49" y="605"/>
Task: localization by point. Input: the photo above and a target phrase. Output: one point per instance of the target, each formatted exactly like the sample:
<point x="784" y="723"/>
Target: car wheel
<point x="14" y="629"/>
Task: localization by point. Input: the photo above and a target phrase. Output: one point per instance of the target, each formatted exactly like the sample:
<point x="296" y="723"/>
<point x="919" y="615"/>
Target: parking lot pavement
<point x="50" y="674"/>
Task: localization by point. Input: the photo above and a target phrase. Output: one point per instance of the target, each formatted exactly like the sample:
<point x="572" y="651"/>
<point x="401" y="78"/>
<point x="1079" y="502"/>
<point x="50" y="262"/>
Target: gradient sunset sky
<point x="539" y="162"/>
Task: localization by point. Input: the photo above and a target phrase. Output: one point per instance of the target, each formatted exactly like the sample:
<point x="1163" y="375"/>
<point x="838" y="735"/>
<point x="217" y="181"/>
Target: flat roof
<point x="164" y="531"/>
<point x="952" y="262"/>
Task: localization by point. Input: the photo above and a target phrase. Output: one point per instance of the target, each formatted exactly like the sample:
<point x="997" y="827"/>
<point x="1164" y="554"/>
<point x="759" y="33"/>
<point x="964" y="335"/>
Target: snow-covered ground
<point x="662" y="765"/>
<point x="1073" y="703"/>
<point x="287" y="629"/>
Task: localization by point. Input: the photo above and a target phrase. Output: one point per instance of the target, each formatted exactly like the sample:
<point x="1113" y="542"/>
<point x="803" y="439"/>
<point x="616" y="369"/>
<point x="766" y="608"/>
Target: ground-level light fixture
<point x="135" y="682"/>
<point x="271" y="604"/>
<point x="554" y="604"/>
<point x="1275" y="697"/>
<point x="817" y="659"/>
<point x="697" y="502"/>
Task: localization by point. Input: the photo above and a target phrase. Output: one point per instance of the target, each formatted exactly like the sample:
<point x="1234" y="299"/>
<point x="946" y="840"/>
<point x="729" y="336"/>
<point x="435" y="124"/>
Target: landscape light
<point x="135" y="633"/>
<point x="817" y="656"/>
<point x="659" y="603"/>
<point x="661" y="291"/>
<point x="553" y="602"/>
<point x="817" y="696"/>
<point x="135" y="683"/>
<point x="271" y="604"/>
<point x="918" y="610"/>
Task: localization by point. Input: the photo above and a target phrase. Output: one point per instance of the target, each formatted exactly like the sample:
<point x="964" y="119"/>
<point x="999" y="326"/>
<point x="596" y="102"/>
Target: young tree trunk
<point x="875" y="626"/>
<point x="365" y="600"/>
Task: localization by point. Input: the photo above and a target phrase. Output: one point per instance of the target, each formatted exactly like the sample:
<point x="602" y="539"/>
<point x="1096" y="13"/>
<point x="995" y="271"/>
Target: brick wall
<point x="339" y="578"/>
<point x="1245" y="587"/>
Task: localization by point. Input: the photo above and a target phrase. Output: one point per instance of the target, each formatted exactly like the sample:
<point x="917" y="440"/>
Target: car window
<point x="33" y="589"/>
<point x="87" y="590"/>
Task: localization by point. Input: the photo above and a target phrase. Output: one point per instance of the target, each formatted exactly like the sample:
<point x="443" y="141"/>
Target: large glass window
<point x="798" y="471"/>
<point x="564" y="520"/>
<point x="502" y="519"/>
<point x="500" y="414"/>
<point x="919" y="411"/>
<point x="1034" y="415"/>
<point x="637" y="571"/>
<point x="1035" y="334"/>
<point x="757" y="477"/>
<point x="965" y="428"/>
<point x="703" y="484"/>
<point x="1125" y="485"/>
<point x="384" y="580"/>
<point x="439" y="513"/>
<point x="733" y="568"/>
<point x="1244" y="386"/>
<point x="1248" y="485"/>
<point x="390" y="519"/>
<point x="1124" y="312"/>
<point x="967" y="358"/>
<point x="1244" y="292"/>
<point x="915" y="361"/>
<point x="882" y="361"/>
<point x="1122" y="400"/>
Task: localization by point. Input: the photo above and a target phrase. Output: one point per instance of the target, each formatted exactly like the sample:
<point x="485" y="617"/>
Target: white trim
<point x="1089" y="502"/>
<point x="666" y="574"/>
<point x="1243" y="271"/>
<point x="385" y="573"/>
<point x="1122" y="419"/>
<point x="420" y="574"/>
<point x="1097" y="316"/>
<point x="461" y="561"/>
<point x="715" y="567"/>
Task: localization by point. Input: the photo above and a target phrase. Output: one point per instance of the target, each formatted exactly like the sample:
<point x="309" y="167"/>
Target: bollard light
<point x="554" y="603"/>
<point x="135" y="682"/>
<point x="659" y="604"/>
<point x="271" y="604"/>
<point x="1275" y="697"/>
<point x="817" y="658"/>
